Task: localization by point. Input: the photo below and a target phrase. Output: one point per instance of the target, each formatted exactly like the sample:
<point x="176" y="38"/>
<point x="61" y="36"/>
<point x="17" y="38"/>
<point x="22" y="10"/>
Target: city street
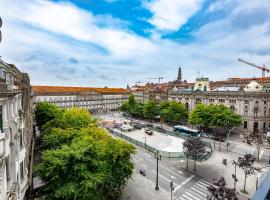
<point x="187" y="186"/>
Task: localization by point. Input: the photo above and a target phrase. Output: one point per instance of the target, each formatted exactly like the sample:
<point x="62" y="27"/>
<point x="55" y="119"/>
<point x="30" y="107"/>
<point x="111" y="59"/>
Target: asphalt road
<point x="187" y="186"/>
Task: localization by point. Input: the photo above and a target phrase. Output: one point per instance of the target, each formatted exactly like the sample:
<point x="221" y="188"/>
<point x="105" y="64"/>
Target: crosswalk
<point x="196" y="192"/>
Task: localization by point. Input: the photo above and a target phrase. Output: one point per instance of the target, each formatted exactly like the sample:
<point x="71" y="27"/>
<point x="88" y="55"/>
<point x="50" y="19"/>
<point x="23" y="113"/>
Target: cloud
<point x="58" y="43"/>
<point x="171" y="15"/>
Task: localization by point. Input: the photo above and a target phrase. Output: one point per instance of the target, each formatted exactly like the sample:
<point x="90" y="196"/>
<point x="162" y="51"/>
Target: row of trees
<point x="204" y="116"/>
<point x="170" y="112"/>
<point x="79" y="159"/>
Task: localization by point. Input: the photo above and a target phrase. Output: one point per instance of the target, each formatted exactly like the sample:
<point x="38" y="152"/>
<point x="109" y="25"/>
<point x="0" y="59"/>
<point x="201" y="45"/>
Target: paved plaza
<point x="158" y="140"/>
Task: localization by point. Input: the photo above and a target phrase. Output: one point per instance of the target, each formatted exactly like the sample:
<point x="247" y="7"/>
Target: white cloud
<point x="170" y="15"/>
<point x="42" y="37"/>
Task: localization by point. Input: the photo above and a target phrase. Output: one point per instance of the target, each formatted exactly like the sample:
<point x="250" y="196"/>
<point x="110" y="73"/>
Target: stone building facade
<point x="97" y="100"/>
<point x="15" y="133"/>
<point x="253" y="106"/>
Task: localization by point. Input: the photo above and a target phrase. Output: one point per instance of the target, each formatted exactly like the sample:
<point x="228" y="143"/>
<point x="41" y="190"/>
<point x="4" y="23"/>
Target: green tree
<point x="201" y="115"/>
<point x="137" y="110"/>
<point x="81" y="161"/>
<point x="45" y="112"/>
<point x="174" y="113"/>
<point x="150" y="110"/>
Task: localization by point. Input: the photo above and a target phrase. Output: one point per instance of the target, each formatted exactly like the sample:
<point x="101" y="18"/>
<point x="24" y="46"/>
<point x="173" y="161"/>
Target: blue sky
<point x="118" y="42"/>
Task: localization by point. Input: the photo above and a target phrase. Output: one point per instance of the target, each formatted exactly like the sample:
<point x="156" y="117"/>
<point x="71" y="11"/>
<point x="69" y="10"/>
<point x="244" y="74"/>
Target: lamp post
<point x="158" y="158"/>
<point x="172" y="188"/>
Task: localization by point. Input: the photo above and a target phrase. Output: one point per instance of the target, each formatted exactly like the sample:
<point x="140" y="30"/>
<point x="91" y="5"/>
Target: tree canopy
<point x="150" y="110"/>
<point x="45" y="112"/>
<point x="215" y="116"/>
<point x="80" y="160"/>
<point x="173" y="112"/>
<point x="195" y="149"/>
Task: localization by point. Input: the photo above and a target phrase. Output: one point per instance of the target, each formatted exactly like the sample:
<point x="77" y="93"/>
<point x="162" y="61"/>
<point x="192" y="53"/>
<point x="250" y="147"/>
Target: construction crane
<point x="158" y="78"/>
<point x="263" y="68"/>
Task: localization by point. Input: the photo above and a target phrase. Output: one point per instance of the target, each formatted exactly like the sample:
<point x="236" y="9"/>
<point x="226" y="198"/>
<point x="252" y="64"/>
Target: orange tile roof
<point x="75" y="90"/>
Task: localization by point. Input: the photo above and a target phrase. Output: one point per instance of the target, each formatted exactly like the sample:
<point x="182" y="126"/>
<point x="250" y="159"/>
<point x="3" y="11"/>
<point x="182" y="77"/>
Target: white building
<point x="96" y="100"/>
<point x="15" y="133"/>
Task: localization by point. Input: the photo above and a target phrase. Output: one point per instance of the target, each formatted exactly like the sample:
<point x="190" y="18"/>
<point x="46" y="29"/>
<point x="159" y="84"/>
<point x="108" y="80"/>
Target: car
<point x="137" y="126"/>
<point x="148" y="131"/>
<point x="161" y="129"/>
<point x="149" y="125"/>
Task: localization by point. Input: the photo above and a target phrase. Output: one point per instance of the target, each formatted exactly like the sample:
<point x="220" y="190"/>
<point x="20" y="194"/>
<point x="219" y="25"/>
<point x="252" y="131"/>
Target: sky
<point x="118" y="42"/>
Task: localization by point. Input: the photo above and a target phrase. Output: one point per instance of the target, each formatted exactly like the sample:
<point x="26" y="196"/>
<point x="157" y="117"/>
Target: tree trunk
<point x="219" y="148"/>
<point x="195" y="166"/>
<point x="187" y="162"/>
<point x="214" y="144"/>
<point x="245" y="182"/>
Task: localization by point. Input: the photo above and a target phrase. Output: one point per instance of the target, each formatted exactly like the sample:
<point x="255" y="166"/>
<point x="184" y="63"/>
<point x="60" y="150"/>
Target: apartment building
<point x="15" y="133"/>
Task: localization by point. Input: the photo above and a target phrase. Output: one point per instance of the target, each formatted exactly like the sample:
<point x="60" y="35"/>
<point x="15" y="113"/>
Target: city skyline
<point x="114" y="42"/>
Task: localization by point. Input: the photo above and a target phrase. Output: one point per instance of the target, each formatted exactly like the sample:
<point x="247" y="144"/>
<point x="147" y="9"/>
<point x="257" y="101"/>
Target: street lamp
<point x="158" y="158"/>
<point x="172" y="188"/>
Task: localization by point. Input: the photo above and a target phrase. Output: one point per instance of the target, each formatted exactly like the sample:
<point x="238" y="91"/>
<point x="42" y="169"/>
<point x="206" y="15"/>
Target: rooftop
<point x="75" y="90"/>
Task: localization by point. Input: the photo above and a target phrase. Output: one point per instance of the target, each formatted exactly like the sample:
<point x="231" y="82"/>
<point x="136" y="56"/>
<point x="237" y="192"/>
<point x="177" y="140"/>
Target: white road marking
<point x="203" y="183"/>
<point x="159" y="175"/>
<point x="173" y="177"/>
<point x="199" y="191"/>
<point x="192" y="195"/>
<point x="160" y="165"/>
<point x="183" y="183"/>
<point x="261" y="154"/>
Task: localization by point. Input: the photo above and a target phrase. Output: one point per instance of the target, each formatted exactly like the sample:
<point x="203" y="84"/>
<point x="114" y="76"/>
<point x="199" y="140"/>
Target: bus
<point x="186" y="131"/>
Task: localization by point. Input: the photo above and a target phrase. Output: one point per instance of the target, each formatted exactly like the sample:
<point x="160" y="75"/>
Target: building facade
<point x="96" y="100"/>
<point x="15" y="133"/>
<point x="253" y="107"/>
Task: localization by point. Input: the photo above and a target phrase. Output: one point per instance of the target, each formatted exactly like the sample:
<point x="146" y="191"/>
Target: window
<point x="245" y="124"/>
<point x="1" y="119"/>
<point x="265" y="102"/>
<point x="211" y="100"/>
<point x="264" y="125"/>
<point x="245" y="112"/>
<point x="246" y="101"/>
<point x="21" y="171"/>
<point x="221" y="100"/>
<point x="232" y="101"/>
<point x="256" y="109"/>
<point x="187" y="99"/>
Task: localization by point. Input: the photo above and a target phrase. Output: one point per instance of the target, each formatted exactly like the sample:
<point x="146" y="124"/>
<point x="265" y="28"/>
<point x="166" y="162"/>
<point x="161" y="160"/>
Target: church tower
<point x="179" y="76"/>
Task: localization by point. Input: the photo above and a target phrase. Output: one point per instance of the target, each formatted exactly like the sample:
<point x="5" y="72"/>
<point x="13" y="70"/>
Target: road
<point x="187" y="186"/>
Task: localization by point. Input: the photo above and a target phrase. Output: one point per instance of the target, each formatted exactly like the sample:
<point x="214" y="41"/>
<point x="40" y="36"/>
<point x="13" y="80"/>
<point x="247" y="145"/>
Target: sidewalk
<point x="141" y="188"/>
<point x="214" y="169"/>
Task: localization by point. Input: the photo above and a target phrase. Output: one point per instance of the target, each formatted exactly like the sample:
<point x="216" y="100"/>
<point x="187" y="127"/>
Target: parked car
<point x="161" y="129"/>
<point x="149" y="125"/>
<point x="137" y="126"/>
<point x="148" y="131"/>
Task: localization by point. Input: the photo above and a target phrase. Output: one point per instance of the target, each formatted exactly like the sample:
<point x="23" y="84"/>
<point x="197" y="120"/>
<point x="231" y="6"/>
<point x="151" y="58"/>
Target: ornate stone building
<point x="251" y="102"/>
<point x="15" y="133"/>
<point x="97" y="100"/>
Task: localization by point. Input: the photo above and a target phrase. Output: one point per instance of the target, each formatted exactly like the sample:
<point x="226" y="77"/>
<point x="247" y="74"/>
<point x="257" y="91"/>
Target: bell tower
<point x="179" y="76"/>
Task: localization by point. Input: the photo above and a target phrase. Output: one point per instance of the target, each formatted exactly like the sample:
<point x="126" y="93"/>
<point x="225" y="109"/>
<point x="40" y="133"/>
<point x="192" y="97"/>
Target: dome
<point x="253" y="86"/>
